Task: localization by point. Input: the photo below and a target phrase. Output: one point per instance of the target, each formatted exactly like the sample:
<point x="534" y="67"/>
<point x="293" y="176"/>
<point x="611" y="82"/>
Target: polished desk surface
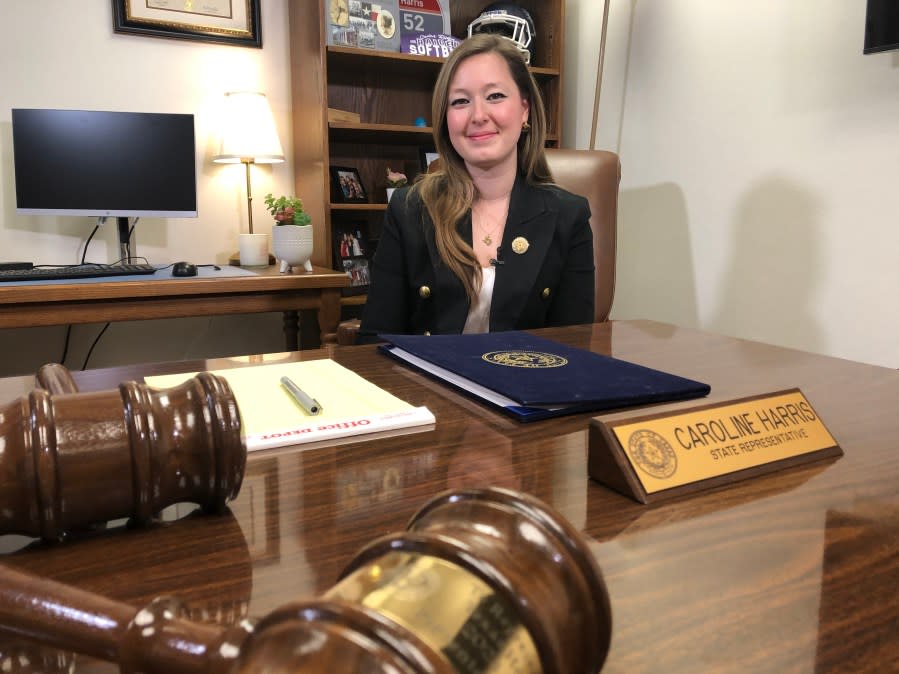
<point x="792" y="572"/>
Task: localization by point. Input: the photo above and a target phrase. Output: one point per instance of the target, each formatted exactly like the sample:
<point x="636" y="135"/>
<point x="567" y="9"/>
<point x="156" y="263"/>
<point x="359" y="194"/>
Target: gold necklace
<point x="488" y="239"/>
<point x="488" y="235"/>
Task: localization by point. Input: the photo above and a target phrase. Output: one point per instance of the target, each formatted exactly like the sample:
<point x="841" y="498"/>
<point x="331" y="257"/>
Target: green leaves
<point x="287" y="210"/>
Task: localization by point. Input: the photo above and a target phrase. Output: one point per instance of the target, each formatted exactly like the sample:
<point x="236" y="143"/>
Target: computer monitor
<point x="105" y="164"/>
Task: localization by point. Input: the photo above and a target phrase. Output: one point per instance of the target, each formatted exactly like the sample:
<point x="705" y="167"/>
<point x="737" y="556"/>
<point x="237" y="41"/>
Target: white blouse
<point x="479" y="315"/>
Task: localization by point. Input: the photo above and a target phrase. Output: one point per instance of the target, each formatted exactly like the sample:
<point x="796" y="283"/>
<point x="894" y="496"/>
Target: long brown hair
<point x="448" y="192"/>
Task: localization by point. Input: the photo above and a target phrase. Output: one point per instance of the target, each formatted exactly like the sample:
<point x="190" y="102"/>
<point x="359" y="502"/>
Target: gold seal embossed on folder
<point x="524" y="359"/>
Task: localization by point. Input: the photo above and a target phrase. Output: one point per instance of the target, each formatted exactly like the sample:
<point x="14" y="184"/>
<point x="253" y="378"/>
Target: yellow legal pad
<point x="351" y="405"/>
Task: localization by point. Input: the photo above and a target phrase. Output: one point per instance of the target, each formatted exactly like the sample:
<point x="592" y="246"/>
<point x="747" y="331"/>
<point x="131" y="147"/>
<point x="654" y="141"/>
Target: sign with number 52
<point x="423" y="16"/>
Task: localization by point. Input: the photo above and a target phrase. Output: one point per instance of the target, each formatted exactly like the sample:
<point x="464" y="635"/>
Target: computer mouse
<point x="184" y="269"/>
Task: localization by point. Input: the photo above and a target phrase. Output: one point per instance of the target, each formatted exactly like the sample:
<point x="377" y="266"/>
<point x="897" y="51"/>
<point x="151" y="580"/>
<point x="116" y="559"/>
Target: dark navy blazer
<point x="549" y="284"/>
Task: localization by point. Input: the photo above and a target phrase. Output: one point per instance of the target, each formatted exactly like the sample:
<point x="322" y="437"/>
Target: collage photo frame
<point x="352" y="255"/>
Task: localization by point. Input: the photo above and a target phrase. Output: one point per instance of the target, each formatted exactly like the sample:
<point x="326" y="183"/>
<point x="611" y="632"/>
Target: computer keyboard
<point x="74" y="272"/>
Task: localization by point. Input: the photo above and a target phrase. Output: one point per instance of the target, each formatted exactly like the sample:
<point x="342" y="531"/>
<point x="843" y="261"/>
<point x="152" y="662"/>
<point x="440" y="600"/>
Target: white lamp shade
<point x="248" y="131"/>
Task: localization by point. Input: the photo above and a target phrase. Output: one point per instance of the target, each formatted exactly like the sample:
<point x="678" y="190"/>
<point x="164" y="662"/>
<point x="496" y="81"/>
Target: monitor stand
<point x="124" y="239"/>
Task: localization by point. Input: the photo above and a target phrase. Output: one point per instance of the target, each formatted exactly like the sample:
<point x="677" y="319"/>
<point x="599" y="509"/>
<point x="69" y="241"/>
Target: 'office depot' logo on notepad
<point x="524" y="359"/>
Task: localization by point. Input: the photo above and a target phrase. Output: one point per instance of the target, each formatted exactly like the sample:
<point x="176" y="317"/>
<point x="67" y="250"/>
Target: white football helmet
<point x="509" y="21"/>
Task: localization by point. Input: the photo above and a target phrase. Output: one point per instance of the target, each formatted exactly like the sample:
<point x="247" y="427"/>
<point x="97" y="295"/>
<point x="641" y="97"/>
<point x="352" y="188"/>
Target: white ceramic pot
<point x="292" y="245"/>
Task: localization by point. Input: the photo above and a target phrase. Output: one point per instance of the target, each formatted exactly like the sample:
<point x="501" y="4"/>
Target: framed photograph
<point x="346" y="186"/>
<point x="427" y="156"/>
<point x="234" y="22"/>
<point x="352" y="255"/>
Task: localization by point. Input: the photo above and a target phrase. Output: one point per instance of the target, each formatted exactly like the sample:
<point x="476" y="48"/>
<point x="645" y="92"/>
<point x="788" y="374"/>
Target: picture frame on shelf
<point x="352" y="255"/>
<point x="346" y="186"/>
<point x="218" y="21"/>
<point x="426" y="156"/>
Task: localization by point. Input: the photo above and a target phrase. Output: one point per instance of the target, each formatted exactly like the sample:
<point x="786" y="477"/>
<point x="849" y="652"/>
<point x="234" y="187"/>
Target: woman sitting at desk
<point x="486" y="242"/>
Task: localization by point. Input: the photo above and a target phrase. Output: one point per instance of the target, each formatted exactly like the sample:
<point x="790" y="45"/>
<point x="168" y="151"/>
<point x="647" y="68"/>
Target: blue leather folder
<point x="532" y="378"/>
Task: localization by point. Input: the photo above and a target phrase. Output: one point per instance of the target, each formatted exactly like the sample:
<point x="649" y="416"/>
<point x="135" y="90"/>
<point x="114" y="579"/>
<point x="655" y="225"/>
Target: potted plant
<point x="394" y="180"/>
<point x="292" y="233"/>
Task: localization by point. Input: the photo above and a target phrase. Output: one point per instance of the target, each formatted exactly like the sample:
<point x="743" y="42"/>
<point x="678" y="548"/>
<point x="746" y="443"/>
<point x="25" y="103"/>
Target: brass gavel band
<point x="453" y="611"/>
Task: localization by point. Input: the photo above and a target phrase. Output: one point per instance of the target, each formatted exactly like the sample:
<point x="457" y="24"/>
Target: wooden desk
<point x="100" y="302"/>
<point x="793" y="572"/>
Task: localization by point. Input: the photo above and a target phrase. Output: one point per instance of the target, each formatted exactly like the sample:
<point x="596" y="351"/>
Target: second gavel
<point x="481" y="580"/>
<point x="71" y="459"/>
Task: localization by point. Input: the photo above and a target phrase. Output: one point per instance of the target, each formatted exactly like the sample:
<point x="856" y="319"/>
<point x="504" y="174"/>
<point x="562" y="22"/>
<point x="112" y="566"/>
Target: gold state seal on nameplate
<point x="652" y="453"/>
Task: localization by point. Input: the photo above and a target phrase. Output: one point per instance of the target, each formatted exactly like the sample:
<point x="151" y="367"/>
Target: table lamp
<point x="248" y="136"/>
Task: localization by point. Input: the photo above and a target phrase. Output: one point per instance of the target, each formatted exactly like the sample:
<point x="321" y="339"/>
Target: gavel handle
<point x="70" y="619"/>
<point x="56" y="379"/>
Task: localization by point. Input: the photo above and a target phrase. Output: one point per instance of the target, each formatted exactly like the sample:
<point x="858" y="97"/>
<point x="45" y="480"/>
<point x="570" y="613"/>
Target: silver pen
<point x="308" y="403"/>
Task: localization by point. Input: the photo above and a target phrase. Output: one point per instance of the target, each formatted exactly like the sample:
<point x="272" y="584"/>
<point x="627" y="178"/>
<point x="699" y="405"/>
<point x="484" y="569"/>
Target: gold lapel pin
<point x="520" y="245"/>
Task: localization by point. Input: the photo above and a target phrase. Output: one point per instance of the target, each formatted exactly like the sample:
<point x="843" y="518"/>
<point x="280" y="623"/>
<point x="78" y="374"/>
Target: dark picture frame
<point x="426" y="156"/>
<point x="237" y="23"/>
<point x="352" y="255"/>
<point x="346" y="186"/>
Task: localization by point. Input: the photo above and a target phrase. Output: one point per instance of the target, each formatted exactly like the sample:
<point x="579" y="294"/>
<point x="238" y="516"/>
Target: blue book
<point x="531" y="378"/>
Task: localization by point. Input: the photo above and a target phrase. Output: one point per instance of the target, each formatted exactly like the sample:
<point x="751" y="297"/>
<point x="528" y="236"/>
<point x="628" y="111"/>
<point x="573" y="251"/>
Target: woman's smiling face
<point x="485" y="112"/>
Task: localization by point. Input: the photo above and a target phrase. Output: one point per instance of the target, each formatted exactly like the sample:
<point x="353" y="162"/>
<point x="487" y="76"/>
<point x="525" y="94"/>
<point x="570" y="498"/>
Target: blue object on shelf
<point x="420" y="121"/>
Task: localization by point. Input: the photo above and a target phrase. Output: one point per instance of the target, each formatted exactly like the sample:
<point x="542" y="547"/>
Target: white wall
<point x="760" y="157"/>
<point x="65" y="54"/>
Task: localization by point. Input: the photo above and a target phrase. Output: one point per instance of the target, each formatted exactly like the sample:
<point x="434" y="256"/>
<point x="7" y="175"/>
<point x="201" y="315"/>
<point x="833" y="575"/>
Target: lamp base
<point x="234" y="260"/>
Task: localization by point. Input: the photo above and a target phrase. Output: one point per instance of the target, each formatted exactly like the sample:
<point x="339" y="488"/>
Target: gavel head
<point x="481" y="580"/>
<point x="73" y="459"/>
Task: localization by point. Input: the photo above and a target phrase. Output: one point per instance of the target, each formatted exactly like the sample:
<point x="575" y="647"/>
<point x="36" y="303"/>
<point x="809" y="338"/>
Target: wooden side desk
<point x="792" y="572"/>
<point x="108" y="301"/>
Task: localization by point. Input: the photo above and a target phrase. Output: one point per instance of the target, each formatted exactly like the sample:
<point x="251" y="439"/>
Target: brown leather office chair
<point x="594" y="174"/>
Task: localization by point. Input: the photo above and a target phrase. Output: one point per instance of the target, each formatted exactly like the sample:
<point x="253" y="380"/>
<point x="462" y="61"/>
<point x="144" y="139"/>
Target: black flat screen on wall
<point x="881" y="26"/>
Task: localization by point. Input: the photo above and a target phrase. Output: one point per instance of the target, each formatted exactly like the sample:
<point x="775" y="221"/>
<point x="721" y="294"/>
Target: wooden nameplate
<point x="656" y="457"/>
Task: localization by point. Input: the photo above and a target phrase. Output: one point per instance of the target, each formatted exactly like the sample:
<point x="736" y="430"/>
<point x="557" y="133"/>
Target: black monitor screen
<point x="881" y="26"/>
<point x="88" y="162"/>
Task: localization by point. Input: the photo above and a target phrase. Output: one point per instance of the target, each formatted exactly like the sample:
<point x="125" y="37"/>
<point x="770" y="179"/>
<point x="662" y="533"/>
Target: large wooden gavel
<point x="71" y="459"/>
<point x="481" y="580"/>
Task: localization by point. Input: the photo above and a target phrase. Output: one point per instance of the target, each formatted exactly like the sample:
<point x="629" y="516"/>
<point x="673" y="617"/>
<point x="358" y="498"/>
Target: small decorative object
<point x="520" y="245"/>
<point x="394" y="180"/>
<point x="427" y="156"/>
<point x="352" y="255"/>
<point x="420" y="121"/>
<point x="292" y="233"/>
<point x="347" y="186"/>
